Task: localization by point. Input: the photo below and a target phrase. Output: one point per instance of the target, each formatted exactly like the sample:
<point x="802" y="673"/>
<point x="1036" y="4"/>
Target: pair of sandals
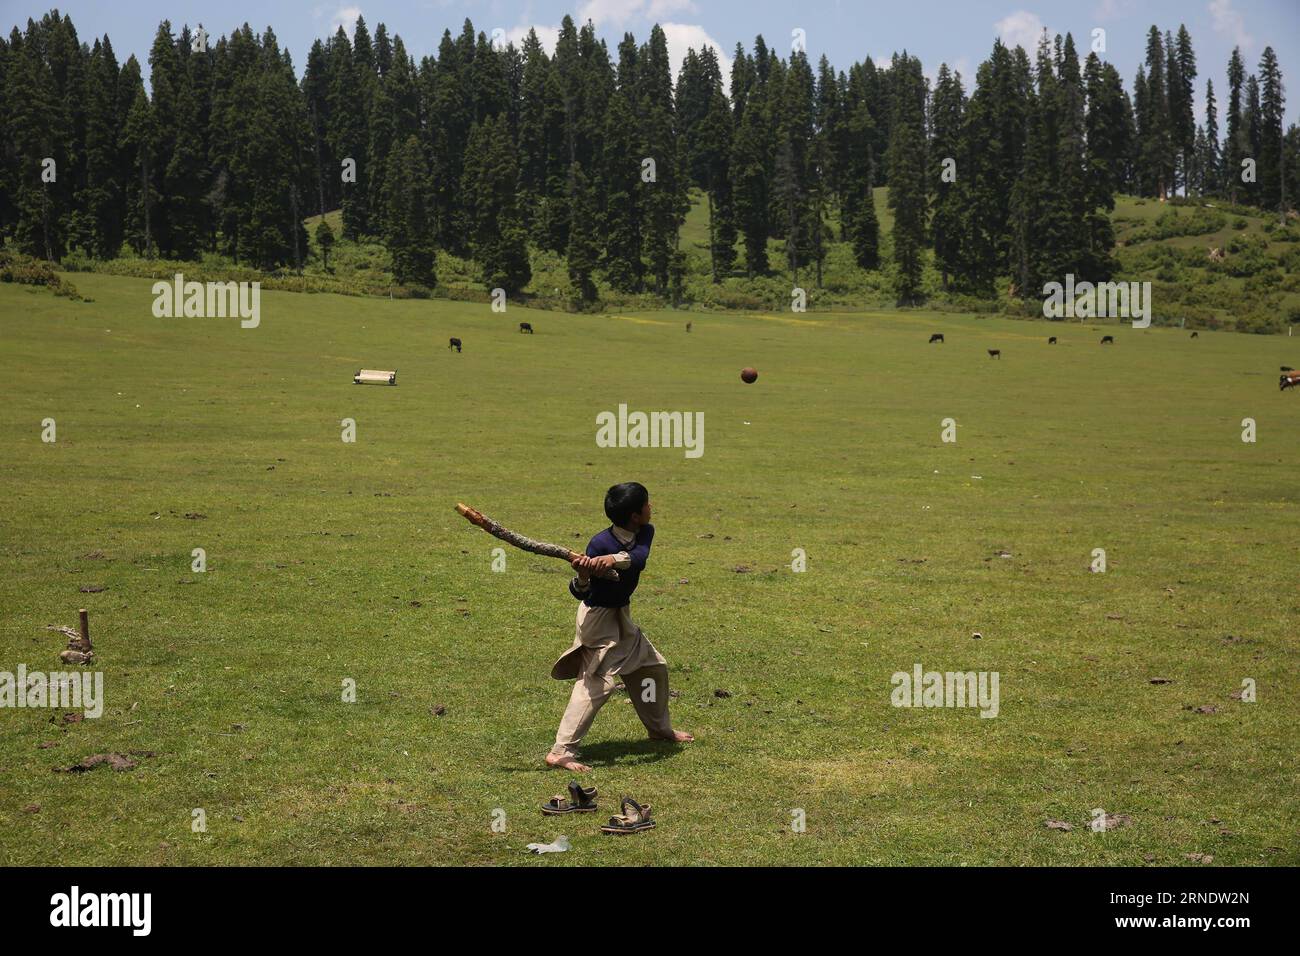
<point x="633" y="819"/>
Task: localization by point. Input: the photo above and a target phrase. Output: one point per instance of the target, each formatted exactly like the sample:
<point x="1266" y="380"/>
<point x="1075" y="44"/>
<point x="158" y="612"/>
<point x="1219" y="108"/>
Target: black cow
<point x="526" y="327"/>
<point x="937" y="337"/>
<point x="688" y="326"/>
<point x="995" y="353"/>
<point x="1287" y="368"/>
<point x="1052" y="340"/>
<point x="1108" y="340"/>
<point x="1194" y="335"/>
<point x="454" y="344"/>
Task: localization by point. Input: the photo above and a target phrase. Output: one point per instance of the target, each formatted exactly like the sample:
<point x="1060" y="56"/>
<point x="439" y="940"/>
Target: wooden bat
<point x="474" y="516"/>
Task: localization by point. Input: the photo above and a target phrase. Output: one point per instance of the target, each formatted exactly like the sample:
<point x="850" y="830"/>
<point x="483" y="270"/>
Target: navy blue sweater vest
<point x="605" y="593"/>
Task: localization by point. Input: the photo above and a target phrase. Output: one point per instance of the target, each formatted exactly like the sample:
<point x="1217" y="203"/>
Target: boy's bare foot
<point x="566" y="763"/>
<point x="679" y="736"/>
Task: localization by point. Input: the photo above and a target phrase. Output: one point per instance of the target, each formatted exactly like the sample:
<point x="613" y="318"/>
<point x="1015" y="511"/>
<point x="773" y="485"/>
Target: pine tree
<point x="140" y="135"/>
<point x="749" y="185"/>
<point x="857" y="205"/>
<point x="408" y="216"/>
<point x="1036" y="203"/>
<point x="797" y="212"/>
<point x="394" y="117"/>
<point x="1271" y="104"/>
<point x="315" y="87"/>
<point x="1107" y="135"/>
<point x="185" y="178"/>
<point x="906" y="161"/>
<point x="1154" y="133"/>
<point x="490" y="183"/>
<point x="325" y="239"/>
<point x="621" y="176"/>
<point x="348" y="133"/>
<point x="977" y="260"/>
<point x="103" y="196"/>
<point x="538" y="133"/>
<point x="1252" y="131"/>
<point x="488" y="82"/>
<point x="1211" y="175"/>
<point x="664" y="197"/>
<point x="1180" y="79"/>
<point x="1235" y="145"/>
<point x="8" y="160"/>
<point x="584" y="242"/>
<point x="949" y="104"/>
<point x="45" y="73"/>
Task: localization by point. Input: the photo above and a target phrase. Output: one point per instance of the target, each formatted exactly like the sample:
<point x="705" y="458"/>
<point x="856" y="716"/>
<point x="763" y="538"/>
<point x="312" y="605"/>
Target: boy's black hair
<point x="625" y="500"/>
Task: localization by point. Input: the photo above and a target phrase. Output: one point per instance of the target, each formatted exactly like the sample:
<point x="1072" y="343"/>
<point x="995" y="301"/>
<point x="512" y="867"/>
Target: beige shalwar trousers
<point x="610" y="645"/>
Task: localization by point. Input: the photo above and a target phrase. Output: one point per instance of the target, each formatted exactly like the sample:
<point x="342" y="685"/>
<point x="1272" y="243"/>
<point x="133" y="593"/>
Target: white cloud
<point x="345" y="17"/>
<point x="1021" y="28"/>
<point x="1230" y="23"/>
<point x="1107" y="10"/>
<point x="548" y="36"/>
<point x="662" y="8"/>
<point x="613" y="14"/>
<point x="609" y="13"/>
<point x="691" y="36"/>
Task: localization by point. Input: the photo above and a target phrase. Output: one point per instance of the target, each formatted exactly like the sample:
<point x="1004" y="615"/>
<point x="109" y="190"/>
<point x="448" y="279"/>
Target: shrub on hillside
<point x="26" y="270"/>
<point x="1171" y="224"/>
<point x="1247" y="256"/>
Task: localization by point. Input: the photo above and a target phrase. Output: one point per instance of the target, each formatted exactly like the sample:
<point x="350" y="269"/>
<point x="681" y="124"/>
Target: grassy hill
<point x="1254" y="287"/>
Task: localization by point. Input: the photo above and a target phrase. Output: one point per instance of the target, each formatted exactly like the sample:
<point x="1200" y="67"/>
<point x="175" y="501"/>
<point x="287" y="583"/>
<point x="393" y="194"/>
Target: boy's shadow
<point x="614" y="753"/>
<point x="628" y="753"/>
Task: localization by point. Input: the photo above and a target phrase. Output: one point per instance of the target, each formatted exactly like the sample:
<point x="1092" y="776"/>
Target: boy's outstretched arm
<point x="639" y="553"/>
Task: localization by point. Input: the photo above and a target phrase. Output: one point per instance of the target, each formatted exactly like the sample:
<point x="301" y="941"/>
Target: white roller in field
<point x="370" y="376"/>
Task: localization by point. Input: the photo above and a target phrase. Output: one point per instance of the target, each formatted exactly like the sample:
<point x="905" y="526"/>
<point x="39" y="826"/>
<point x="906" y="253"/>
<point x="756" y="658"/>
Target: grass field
<point x="329" y="561"/>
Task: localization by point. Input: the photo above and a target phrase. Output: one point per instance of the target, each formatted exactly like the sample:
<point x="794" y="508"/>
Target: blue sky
<point x="959" y="32"/>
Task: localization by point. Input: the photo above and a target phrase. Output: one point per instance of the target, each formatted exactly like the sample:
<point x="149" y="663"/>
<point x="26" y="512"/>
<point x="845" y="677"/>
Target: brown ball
<point x="749" y="375"/>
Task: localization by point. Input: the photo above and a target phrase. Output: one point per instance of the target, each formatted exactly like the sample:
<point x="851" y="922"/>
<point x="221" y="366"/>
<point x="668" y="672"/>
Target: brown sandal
<point x="581" y="800"/>
<point x="630" y="821"/>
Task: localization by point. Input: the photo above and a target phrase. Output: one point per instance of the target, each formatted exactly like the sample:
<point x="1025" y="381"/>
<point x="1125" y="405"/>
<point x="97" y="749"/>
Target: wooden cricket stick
<point x="474" y="516"/>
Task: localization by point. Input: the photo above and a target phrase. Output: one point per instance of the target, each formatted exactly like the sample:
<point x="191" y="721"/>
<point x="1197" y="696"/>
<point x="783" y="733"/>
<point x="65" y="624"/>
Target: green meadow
<point x="332" y="562"/>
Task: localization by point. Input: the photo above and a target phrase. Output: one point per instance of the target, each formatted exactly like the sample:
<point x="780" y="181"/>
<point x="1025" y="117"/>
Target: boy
<point x="608" y="644"/>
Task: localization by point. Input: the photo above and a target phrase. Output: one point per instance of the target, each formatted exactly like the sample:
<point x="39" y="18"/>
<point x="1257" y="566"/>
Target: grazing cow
<point x="1287" y="368"/>
<point x="1052" y="340"/>
<point x="1288" y="380"/>
<point x="1108" y="340"/>
<point x="937" y="337"/>
<point x="1194" y="335"/>
<point x="995" y="353"/>
<point x="454" y="344"/>
<point x="526" y="327"/>
<point x="688" y="326"/>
